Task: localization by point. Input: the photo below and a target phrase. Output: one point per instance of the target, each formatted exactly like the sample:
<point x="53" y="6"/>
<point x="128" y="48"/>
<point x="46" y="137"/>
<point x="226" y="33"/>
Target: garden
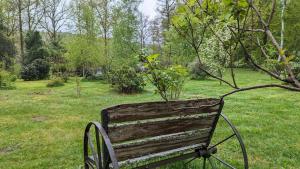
<point x="188" y="75"/>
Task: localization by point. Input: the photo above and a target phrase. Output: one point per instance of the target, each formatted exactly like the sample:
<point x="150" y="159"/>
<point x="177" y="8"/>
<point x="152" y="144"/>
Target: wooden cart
<point x="153" y="134"/>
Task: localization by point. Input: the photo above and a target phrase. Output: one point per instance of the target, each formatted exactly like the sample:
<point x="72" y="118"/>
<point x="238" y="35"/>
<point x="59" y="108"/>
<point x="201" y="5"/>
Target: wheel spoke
<point x="93" y="150"/>
<point x="106" y="163"/>
<point x="239" y="138"/>
<point x="223" y="162"/>
<point x="204" y="163"/>
<point x="227" y="138"/>
<point x="90" y="162"/>
<point x="98" y="147"/>
<point x="190" y="161"/>
<point x="212" y="164"/>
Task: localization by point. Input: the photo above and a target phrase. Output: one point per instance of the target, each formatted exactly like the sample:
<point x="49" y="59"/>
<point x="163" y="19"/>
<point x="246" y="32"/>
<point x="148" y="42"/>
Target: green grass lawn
<point x="43" y="127"/>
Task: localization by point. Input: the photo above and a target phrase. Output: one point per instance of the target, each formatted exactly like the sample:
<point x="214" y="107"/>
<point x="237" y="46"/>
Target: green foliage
<point x="35" y="65"/>
<point x="83" y="54"/>
<point x="35" y="47"/>
<point x="168" y="81"/>
<point x="195" y="72"/>
<point x="237" y="9"/>
<point x="95" y="77"/>
<point x="7" y="47"/>
<point x="213" y="53"/>
<point x="56" y="58"/>
<point x="124" y="42"/>
<point x="292" y="23"/>
<point x="56" y="117"/>
<point x="55" y="83"/>
<point x="127" y="80"/>
<point x="37" y="70"/>
<point x="7" y="79"/>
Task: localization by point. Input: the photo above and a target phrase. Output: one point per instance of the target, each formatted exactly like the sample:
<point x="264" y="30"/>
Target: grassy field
<point x="43" y="127"/>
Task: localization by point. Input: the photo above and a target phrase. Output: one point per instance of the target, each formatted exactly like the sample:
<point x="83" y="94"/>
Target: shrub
<point x="37" y="70"/>
<point x="7" y="80"/>
<point x="296" y="69"/>
<point x="127" y="80"/>
<point x="64" y="76"/>
<point x="195" y="72"/>
<point x="168" y="81"/>
<point x="95" y="77"/>
<point x="55" y="83"/>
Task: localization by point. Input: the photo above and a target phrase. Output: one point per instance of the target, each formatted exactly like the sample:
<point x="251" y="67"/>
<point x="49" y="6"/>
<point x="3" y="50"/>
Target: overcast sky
<point x="148" y="7"/>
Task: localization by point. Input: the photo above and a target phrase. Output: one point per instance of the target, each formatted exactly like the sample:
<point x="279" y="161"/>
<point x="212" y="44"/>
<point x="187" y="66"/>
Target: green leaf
<point x="191" y="2"/>
<point x="152" y="58"/>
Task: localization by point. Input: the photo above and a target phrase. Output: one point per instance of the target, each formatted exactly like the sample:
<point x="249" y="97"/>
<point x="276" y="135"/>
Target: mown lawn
<point x="43" y="127"/>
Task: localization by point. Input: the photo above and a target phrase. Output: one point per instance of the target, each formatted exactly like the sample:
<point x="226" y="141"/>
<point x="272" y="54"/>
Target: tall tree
<point x="33" y="13"/>
<point x="104" y="15"/>
<point x="143" y="29"/>
<point x="7" y="49"/>
<point x="84" y="50"/>
<point x="166" y="8"/>
<point x="54" y="17"/>
<point x="125" y="39"/>
<point x="20" y="8"/>
<point x="10" y="17"/>
<point x="156" y="36"/>
<point x="35" y="65"/>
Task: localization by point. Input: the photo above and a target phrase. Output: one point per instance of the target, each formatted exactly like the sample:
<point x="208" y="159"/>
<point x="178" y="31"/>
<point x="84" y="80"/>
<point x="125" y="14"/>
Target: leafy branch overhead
<point x="243" y="38"/>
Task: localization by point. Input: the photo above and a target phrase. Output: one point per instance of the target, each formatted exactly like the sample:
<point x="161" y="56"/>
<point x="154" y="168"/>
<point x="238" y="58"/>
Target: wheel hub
<point x="206" y="153"/>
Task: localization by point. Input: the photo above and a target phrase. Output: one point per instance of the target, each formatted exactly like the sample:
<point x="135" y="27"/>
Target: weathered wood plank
<point x="143" y="129"/>
<point x="142" y="111"/>
<point x="161" y="144"/>
<point x="169" y="154"/>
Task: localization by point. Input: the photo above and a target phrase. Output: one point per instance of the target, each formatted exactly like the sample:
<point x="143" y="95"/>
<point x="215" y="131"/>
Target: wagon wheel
<point x="231" y="152"/>
<point x="98" y="151"/>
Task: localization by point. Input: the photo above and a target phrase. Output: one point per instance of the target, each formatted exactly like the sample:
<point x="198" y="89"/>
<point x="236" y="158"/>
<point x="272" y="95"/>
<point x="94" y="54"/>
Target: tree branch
<point x="260" y="87"/>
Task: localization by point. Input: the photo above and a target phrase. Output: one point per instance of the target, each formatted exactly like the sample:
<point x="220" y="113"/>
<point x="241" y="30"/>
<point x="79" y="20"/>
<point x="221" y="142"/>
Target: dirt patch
<point x="39" y="118"/>
<point x="4" y="98"/>
<point x="9" y="149"/>
<point x="44" y="92"/>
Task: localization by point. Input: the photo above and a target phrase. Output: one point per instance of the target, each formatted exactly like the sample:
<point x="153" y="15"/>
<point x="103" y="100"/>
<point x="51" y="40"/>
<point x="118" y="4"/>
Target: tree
<point x="84" y="52"/>
<point x="156" y="36"/>
<point x="54" y="17"/>
<point x="35" y="65"/>
<point x="20" y="8"/>
<point x="125" y="35"/>
<point x="243" y="29"/>
<point x="166" y="9"/>
<point x="143" y="30"/>
<point x="9" y="17"/>
<point x="7" y="48"/>
<point x="104" y="15"/>
<point x="209" y="52"/>
<point x="33" y="13"/>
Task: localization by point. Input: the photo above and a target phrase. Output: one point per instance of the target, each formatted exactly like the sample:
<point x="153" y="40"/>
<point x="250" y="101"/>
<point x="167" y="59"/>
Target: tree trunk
<point x="21" y="29"/>
<point x="283" y="3"/>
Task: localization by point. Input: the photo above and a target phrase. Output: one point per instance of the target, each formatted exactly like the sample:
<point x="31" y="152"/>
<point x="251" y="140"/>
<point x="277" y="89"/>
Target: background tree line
<point x="93" y="39"/>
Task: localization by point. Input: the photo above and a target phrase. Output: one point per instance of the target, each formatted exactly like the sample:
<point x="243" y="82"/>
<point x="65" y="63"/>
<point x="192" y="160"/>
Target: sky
<point x="148" y="7"/>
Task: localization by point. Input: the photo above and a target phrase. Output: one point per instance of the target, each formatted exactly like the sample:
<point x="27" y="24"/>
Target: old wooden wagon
<point x="150" y="135"/>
